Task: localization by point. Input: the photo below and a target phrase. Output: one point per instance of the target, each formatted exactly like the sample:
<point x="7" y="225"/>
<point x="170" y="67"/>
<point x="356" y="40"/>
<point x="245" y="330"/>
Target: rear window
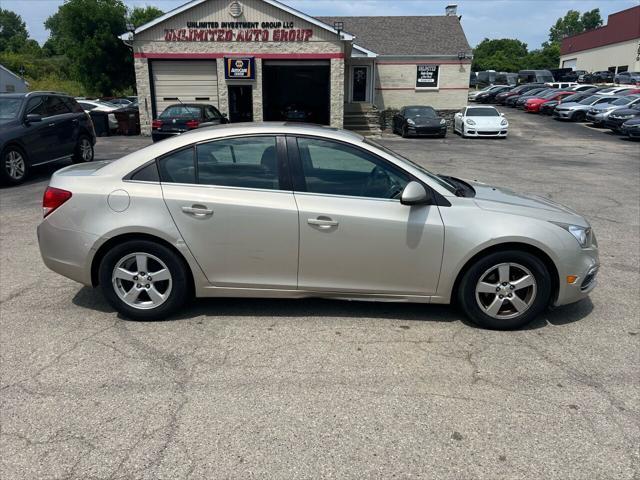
<point x="182" y="111"/>
<point x="73" y="105"/>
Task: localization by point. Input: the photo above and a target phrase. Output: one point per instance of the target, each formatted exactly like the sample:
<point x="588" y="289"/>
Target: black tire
<point x="8" y="174"/>
<point x="180" y="280"/>
<point x="467" y="290"/>
<point x="579" y="117"/>
<point x="78" y="156"/>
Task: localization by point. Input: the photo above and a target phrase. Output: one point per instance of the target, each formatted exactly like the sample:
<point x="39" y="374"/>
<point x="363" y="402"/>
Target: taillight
<point x="156" y="124"/>
<point x="53" y="198"/>
<point x="192" y="124"/>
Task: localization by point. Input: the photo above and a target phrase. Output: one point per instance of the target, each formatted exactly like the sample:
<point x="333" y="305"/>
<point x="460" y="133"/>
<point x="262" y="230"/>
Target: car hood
<point x="499" y="199"/>
<point x="627" y="111"/>
<point x="485" y="121"/>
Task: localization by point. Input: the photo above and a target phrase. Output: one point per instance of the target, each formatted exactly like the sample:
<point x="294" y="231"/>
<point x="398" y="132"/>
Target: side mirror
<point x="502" y="114"/>
<point x="32" y="118"/>
<point x="415" y="194"/>
<point x="224" y="115"/>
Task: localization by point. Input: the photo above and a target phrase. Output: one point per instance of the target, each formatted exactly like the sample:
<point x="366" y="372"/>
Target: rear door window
<point x="178" y="167"/>
<point x="55" y="106"/>
<point x="249" y="162"/>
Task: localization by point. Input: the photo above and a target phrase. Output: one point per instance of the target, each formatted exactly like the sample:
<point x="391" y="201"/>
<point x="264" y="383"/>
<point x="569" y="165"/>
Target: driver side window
<point x="338" y="169"/>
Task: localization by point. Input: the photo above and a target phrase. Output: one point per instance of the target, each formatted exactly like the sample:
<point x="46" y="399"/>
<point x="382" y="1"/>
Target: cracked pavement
<point x="238" y="388"/>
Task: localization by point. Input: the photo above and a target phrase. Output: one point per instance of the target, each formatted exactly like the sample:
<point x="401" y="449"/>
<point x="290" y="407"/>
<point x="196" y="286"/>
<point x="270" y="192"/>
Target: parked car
<point x="480" y="122"/>
<point x="100" y="106"/>
<point x="353" y="220"/>
<point x="599" y="113"/>
<point x="502" y="97"/>
<point x="533" y="104"/>
<point x="418" y="120"/>
<point x="584" y="88"/>
<point x="121" y="102"/>
<point x="488" y="97"/>
<point x="534" y="76"/>
<point x="182" y="117"/>
<point x="627" y="78"/>
<point x="562" y="85"/>
<point x="602" y="76"/>
<point x="617" y="118"/>
<point x="574" y="76"/>
<point x="582" y="77"/>
<point x="615" y="91"/>
<point x="296" y="113"/>
<point x="548" y="107"/>
<point x="520" y="101"/>
<point x="473" y="95"/>
<point x="41" y="127"/>
<point x="631" y="128"/>
<point x="577" y="111"/>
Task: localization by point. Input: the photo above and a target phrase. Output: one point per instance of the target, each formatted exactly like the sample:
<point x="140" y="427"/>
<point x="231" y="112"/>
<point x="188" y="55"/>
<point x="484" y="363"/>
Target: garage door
<point x="572" y="63"/>
<point x="184" y="80"/>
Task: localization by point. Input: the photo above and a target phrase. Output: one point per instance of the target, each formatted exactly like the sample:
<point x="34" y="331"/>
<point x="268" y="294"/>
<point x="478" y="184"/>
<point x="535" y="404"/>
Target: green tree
<point x="544" y="58"/>
<point x="141" y="15"/>
<point x="87" y="32"/>
<point x="504" y="54"/>
<point x="591" y="19"/>
<point x="13" y="31"/>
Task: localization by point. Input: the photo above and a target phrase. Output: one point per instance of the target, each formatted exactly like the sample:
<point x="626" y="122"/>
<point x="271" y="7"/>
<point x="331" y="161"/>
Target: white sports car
<point x="480" y="122"/>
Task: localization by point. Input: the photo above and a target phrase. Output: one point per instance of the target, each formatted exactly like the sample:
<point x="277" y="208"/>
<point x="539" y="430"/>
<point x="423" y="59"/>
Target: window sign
<point x="239" y="68"/>
<point x="427" y="76"/>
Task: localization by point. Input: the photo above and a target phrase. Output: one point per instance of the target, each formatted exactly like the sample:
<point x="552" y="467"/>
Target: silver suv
<point x="292" y="211"/>
<point x="577" y="111"/>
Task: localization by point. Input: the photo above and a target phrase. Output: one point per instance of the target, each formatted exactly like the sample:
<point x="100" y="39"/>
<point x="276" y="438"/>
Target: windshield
<point x="624" y="100"/>
<point x="482" y="112"/>
<point x="533" y="91"/>
<point x="420" y="112"/>
<point x="432" y="176"/>
<point x="181" y="111"/>
<point x="576" y="97"/>
<point x="590" y="100"/>
<point x="9" y="109"/>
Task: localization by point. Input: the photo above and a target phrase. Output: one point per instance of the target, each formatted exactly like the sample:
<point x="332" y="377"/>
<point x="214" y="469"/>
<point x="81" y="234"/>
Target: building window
<point x="623" y="68"/>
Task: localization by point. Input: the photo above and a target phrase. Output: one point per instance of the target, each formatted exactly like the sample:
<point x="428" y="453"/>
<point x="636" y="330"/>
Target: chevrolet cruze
<point x="292" y="211"/>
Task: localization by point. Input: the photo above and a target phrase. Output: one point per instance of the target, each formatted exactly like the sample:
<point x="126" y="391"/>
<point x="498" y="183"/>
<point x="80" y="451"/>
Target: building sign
<point x="239" y="68"/>
<point x="427" y="76"/>
<point x="238" y="32"/>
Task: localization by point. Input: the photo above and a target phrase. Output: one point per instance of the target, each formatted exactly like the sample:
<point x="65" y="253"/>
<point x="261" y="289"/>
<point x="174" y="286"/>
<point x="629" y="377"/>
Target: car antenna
<point x="188" y="109"/>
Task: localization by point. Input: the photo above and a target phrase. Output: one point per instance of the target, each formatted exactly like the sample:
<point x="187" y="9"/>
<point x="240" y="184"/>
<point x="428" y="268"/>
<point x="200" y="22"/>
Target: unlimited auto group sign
<point x="238" y="32"/>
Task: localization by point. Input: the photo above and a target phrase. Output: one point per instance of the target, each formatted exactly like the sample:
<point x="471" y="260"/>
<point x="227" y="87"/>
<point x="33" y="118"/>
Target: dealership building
<point x="614" y="47"/>
<point x="260" y="60"/>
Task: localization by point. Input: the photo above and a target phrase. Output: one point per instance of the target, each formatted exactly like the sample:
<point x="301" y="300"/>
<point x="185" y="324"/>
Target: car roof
<point x="418" y="106"/>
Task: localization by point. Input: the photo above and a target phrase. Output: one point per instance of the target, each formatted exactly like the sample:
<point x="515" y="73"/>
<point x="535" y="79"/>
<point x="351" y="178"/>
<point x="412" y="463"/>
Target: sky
<point x="526" y="20"/>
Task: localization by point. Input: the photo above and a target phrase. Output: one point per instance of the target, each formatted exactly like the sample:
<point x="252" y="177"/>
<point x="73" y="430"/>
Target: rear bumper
<point x="157" y="135"/>
<point x="66" y="251"/>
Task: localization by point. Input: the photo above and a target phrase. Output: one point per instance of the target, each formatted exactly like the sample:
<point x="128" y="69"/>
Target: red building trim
<point x="267" y="56"/>
<point x="621" y="27"/>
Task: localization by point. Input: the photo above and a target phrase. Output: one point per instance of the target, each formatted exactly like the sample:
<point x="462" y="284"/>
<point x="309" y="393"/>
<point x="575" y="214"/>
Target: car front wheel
<point x="13" y="166"/>
<point x="505" y="290"/>
<point x="83" y="151"/>
<point x="144" y="280"/>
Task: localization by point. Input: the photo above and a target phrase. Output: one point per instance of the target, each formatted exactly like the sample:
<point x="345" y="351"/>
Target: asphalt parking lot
<point x="328" y="389"/>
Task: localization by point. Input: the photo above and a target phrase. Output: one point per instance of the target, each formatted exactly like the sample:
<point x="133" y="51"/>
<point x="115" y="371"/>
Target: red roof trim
<point x="268" y="56"/>
<point x="621" y="27"/>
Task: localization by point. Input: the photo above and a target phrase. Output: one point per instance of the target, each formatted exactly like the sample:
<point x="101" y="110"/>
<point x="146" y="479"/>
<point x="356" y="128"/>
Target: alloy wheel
<point x="506" y="291"/>
<point x="14" y="165"/>
<point x="86" y="151"/>
<point x="142" y="281"/>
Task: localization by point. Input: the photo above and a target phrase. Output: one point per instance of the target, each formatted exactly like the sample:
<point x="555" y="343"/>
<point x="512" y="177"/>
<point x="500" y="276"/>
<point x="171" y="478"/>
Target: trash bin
<point x="128" y="121"/>
<point x="100" y="123"/>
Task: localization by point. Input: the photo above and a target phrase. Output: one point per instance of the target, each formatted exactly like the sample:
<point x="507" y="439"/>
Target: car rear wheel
<point x="13" y="166"/>
<point x="83" y="151"/>
<point x="144" y="280"/>
<point x="505" y="290"/>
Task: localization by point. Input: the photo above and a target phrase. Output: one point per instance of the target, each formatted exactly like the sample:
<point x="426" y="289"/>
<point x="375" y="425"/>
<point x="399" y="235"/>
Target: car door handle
<point x="198" y="211"/>
<point x="52" y="124"/>
<point x="322" y="222"/>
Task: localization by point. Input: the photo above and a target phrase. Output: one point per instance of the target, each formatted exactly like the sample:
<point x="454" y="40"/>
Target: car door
<point x="232" y="201"/>
<point x="63" y="122"/>
<point x="39" y="137"/>
<point x="355" y="235"/>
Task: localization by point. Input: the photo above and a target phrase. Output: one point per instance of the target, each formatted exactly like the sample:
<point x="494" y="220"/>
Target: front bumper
<point x="472" y="131"/>
<point x="419" y="131"/>
<point x="631" y="132"/>
<point x="596" y="118"/>
<point x="585" y="265"/>
<point x="563" y="114"/>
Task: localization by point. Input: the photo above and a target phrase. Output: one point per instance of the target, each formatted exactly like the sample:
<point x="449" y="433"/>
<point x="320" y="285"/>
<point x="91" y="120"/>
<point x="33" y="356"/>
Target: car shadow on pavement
<point x="92" y="299"/>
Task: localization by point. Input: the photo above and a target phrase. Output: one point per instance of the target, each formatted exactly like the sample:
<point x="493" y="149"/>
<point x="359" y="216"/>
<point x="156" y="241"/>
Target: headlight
<point x="582" y="235"/>
<point x="470" y="122"/>
<point x="410" y="122"/>
<point x="504" y="122"/>
<point x="443" y="121"/>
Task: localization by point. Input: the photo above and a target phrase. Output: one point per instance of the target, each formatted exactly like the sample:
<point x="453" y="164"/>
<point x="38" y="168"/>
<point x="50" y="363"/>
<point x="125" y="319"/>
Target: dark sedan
<point x="419" y="120"/>
<point x="616" y="119"/>
<point x="488" y="97"/>
<point x="41" y="127"/>
<point x="631" y="128"/>
<point x="182" y="117"/>
<point x="502" y="97"/>
<point x="519" y="100"/>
